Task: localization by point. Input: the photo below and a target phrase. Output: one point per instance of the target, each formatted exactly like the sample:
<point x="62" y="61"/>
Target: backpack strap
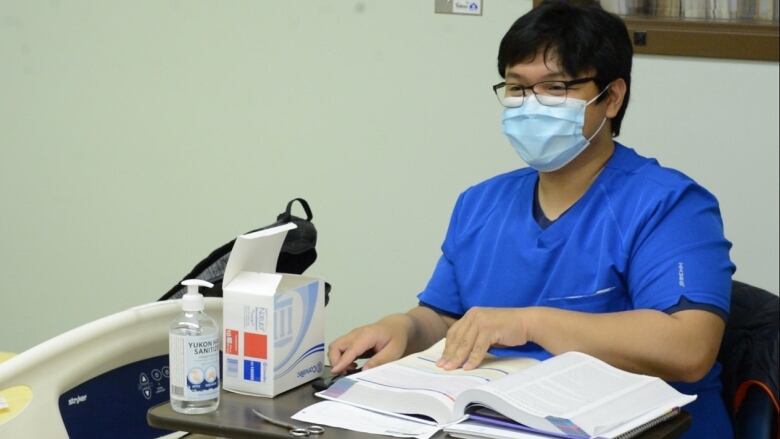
<point x="298" y="253"/>
<point x="742" y="390"/>
<point x="287" y="215"/>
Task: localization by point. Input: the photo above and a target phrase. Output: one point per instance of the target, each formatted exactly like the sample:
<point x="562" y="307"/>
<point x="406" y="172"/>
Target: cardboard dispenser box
<point x="274" y="324"/>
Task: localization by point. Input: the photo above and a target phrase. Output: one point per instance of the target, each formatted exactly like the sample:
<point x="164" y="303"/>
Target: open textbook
<point x="569" y="395"/>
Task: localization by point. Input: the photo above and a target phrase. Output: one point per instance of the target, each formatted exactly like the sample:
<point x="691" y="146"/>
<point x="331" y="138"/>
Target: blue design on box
<point x="308" y="295"/>
<point x="232" y="367"/>
<point x="311" y="351"/>
<point x="283" y="320"/>
<point x="253" y="370"/>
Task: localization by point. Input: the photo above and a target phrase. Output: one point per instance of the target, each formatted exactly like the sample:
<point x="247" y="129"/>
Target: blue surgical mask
<point x="548" y="137"/>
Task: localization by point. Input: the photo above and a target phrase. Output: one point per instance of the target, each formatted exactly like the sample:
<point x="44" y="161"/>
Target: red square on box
<point x="231" y="341"/>
<point x="255" y="345"/>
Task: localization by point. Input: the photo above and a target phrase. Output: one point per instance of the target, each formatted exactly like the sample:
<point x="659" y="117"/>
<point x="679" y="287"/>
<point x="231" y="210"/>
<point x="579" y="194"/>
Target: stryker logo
<point x="317" y="368"/>
<point x="77" y="400"/>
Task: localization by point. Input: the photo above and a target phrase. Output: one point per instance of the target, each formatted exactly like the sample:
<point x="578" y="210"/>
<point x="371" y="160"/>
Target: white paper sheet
<point x="469" y="429"/>
<point x="335" y="414"/>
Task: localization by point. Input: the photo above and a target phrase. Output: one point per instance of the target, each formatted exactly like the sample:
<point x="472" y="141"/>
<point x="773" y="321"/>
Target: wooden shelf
<point x="701" y="38"/>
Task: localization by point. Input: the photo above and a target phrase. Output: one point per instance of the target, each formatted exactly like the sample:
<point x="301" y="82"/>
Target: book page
<point x="398" y="376"/>
<point x="575" y="393"/>
<point x="566" y="384"/>
<point x="491" y="368"/>
<point x="419" y="371"/>
<point x="643" y="404"/>
<point x="415" y="385"/>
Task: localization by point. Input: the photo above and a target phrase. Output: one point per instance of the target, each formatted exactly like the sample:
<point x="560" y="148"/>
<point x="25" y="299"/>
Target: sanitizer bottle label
<point x="194" y="366"/>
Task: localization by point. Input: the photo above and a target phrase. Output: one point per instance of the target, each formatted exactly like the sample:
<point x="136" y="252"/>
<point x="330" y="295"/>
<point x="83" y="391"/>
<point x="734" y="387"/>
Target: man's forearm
<point x="678" y="347"/>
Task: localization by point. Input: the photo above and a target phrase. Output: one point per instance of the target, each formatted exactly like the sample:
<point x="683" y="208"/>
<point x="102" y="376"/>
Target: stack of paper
<point x="336" y="414"/>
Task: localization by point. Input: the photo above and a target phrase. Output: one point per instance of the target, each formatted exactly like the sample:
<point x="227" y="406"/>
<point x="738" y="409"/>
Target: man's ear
<point x="615" y="95"/>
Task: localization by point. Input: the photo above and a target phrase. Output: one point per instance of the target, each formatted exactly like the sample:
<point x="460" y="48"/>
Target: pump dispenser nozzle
<point x="193" y="300"/>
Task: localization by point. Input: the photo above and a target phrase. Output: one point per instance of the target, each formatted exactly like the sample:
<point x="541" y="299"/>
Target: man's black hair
<point x="581" y="35"/>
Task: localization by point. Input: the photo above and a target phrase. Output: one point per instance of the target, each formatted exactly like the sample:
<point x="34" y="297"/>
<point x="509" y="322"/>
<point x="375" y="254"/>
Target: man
<point x="592" y="248"/>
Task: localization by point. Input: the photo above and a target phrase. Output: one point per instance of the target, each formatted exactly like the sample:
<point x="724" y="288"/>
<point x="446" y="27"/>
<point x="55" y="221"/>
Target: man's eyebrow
<point x="547" y="77"/>
<point x="555" y="75"/>
<point x="514" y="75"/>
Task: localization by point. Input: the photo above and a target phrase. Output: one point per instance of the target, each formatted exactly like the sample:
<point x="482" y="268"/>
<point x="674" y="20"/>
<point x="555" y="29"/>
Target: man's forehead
<point x="534" y="69"/>
<point x="544" y="61"/>
<point x="542" y="66"/>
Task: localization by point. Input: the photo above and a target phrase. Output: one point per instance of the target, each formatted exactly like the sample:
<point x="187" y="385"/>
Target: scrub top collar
<point x="554" y="228"/>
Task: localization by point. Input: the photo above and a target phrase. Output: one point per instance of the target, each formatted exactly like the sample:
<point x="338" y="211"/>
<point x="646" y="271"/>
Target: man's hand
<point x="469" y="339"/>
<point x="387" y="339"/>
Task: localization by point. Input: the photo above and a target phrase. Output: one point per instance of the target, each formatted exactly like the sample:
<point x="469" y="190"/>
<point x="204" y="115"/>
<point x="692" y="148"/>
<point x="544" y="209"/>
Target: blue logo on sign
<point x="253" y="370"/>
<point x="473" y="7"/>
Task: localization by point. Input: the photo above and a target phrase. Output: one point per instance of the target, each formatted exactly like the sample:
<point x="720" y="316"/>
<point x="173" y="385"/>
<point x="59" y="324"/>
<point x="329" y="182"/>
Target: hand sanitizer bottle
<point x="193" y="341"/>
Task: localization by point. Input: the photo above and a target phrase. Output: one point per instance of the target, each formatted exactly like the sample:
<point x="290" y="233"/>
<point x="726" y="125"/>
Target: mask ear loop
<point x="603" y="121"/>
<point x="598" y="95"/>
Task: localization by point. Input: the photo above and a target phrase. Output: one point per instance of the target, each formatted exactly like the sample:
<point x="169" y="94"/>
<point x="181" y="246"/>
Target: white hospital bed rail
<point x="34" y="381"/>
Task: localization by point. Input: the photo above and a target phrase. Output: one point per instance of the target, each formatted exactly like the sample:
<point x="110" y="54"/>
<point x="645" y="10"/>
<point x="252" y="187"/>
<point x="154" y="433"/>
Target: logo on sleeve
<point x="681" y="274"/>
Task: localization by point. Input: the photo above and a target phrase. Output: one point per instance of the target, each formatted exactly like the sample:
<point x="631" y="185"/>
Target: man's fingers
<point x="469" y="339"/>
<point x="463" y="348"/>
<point x="388" y="353"/>
<point x="356" y="347"/>
<point x="336" y="350"/>
<point x="450" y="342"/>
<point x="460" y="338"/>
<point x="347" y="358"/>
<point x="388" y="336"/>
<point x="478" y="351"/>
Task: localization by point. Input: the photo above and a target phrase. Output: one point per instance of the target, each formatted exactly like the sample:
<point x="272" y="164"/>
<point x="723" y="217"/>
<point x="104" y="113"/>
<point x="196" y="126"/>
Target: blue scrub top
<point x="641" y="237"/>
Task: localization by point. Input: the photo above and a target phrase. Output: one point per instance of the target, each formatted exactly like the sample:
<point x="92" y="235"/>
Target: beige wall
<point x="138" y="136"/>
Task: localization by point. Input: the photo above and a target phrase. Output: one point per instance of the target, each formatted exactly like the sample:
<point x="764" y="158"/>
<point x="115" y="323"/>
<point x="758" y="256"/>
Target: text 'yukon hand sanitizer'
<point x="193" y="341"/>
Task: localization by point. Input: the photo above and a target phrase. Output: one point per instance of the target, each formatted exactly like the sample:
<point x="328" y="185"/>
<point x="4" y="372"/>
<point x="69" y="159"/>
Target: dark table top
<point x="234" y="418"/>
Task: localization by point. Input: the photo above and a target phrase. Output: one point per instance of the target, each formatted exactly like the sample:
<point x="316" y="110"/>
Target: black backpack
<point x="297" y="254"/>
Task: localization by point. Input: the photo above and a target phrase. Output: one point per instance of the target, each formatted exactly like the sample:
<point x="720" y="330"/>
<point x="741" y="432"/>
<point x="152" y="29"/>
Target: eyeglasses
<point x="548" y="93"/>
